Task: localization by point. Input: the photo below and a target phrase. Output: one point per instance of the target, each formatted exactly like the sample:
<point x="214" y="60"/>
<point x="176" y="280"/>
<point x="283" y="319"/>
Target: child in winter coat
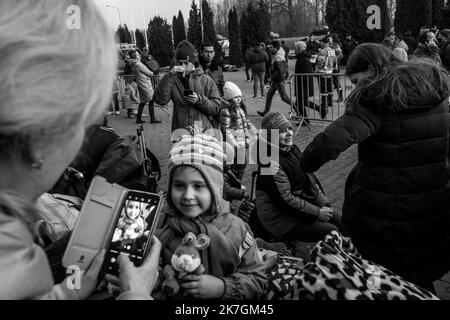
<point x="129" y="96"/>
<point x="233" y="269"/>
<point x="237" y="130"/>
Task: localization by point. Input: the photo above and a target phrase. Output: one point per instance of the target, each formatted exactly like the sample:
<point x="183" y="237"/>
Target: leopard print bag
<point x="338" y="272"/>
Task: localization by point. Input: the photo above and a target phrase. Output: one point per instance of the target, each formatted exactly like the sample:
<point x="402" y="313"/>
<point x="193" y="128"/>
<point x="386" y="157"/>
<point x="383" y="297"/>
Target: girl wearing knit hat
<point x="291" y="204"/>
<point x="233" y="269"/>
<point x="237" y="130"/>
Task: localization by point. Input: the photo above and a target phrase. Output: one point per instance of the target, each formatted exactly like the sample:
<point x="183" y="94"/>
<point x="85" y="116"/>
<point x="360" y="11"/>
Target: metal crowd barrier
<point x="326" y="104"/>
<point x="126" y="79"/>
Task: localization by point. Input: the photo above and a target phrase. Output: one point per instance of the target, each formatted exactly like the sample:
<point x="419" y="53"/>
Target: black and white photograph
<point x="225" y="154"/>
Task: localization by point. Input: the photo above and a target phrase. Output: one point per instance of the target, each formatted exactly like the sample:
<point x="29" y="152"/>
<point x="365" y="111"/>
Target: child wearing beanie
<point x="233" y="269"/>
<point x="291" y="204"/>
<point x="237" y="130"/>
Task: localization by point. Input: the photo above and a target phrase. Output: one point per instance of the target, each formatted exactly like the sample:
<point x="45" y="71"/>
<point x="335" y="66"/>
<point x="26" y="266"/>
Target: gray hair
<point x="54" y="78"/>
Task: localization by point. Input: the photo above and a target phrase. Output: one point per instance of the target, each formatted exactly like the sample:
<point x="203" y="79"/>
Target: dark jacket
<point x="445" y="54"/>
<point x="397" y="203"/>
<point x="279" y="68"/>
<point x="280" y="207"/>
<point x="215" y="73"/>
<point x="258" y="60"/>
<point x="185" y="114"/>
<point x="232" y="187"/>
<point x="304" y="84"/>
<point x="430" y="52"/>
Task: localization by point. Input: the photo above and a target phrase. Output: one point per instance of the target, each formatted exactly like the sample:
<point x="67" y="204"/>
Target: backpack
<point x="78" y="176"/>
<point x="58" y="213"/>
<point x="123" y="164"/>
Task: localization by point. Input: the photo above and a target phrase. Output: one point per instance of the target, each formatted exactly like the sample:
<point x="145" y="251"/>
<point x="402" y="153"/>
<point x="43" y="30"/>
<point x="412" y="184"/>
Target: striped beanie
<point x="275" y="120"/>
<point x="204" y="153"/>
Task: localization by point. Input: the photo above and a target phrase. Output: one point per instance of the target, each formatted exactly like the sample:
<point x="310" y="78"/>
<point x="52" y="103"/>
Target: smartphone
<point x="94" y="224"/>
<point x="188" y="92"/>
<point x="133" y="230"/>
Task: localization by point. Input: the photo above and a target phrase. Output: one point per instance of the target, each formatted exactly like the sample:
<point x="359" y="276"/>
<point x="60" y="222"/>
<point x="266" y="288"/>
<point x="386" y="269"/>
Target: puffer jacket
<point x="258" y="60"/>
<point x="185" y="114"/>
<point x="280" y="208"/>
<point x="430" y="52"/>
<point x="248" y="280"/>
<point x="237" y="130"/>
<point x="397" y="198"/>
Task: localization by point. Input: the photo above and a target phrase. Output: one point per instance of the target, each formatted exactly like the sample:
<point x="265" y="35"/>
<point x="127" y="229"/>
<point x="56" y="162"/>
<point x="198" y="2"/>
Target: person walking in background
<point x="210" y="66"/>
<point x="247" y="63"/>
<point x="145" y="87"/>
<point x="258" y="60"/>
<point x="278" y="75"/>
<point x="326" y="64"/>
<point x="337" y="46"/>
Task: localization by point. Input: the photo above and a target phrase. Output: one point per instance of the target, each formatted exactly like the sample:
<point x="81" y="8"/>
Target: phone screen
<point x="134" y="229"/>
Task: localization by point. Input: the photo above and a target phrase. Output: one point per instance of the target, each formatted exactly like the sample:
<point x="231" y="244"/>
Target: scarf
<point x="220" y="259"/>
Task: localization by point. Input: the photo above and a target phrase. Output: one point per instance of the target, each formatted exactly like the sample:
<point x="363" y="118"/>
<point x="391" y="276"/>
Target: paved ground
<point x="331" y="175"/>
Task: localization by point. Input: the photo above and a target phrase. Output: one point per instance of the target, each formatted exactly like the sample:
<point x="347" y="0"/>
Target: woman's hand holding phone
<point x="139" y="280"/>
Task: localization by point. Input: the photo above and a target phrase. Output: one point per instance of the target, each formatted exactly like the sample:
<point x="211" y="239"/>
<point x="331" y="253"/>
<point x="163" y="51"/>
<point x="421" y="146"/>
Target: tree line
<point x="250" y="21"/>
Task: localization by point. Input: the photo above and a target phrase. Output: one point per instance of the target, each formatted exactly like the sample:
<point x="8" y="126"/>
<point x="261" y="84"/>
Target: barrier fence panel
<point x="319" y="97"/>
<point x="124" y="80"/>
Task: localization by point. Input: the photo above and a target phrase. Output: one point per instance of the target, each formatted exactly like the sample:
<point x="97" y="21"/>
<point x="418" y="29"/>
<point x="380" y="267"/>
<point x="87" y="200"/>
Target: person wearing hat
<point x="233" y="269"/>
<point x="445" y="48"/>
<point x="194" y="95"/>
<point x="236" y="128"/>
<point x="291" y="204"/>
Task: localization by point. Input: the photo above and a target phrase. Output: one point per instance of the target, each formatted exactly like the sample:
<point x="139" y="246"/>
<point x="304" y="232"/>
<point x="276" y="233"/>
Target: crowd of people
<point x="397" y="200"/>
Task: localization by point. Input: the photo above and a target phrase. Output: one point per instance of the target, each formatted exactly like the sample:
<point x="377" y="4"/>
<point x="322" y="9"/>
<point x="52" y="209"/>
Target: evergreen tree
<point x="245" y="39"/>
<point x="235" y="42"/>
<point x="194" y="34"/>
<point x="179" y="30"/>
<point x="209" y="34"/>
<point x="350" y="16"/>
<point x="128" y="37"/>
<point x="263" y="25"/>
<point x="160" y="40"/>
<point x="437" y="15"/>
<point x="123" y="34"/>
<point x="412" y="15"/>
<point x="181" y="27"/>
<point x="140" y="39"/>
